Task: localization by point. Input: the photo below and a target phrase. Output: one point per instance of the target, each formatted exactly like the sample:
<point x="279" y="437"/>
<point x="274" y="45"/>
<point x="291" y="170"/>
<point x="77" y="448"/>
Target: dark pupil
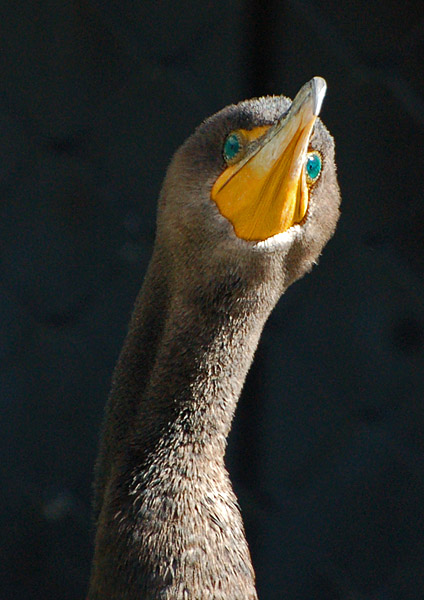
<point x="231" y="146"/>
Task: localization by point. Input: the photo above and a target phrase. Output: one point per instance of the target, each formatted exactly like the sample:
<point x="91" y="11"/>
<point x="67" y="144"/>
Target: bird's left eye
<point x="233" y="147"/>
<point x="313" y="166"/>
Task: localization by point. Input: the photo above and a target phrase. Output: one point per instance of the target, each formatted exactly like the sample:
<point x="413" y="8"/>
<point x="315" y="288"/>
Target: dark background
<point x="327" y="452"/>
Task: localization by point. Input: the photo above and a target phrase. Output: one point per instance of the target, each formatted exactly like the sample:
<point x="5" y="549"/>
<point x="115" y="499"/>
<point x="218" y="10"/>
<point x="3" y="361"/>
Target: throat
<point x="167" y="503"/>
<point x="202" y="355"/>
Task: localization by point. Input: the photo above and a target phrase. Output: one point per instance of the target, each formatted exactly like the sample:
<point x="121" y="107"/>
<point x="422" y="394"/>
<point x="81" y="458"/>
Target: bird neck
<point x="174" y="394"/>
<point x="206" y="338"/>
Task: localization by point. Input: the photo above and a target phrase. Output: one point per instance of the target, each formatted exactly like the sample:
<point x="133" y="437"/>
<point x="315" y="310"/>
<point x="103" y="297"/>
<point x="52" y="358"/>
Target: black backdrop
<point x="326" y="452"/>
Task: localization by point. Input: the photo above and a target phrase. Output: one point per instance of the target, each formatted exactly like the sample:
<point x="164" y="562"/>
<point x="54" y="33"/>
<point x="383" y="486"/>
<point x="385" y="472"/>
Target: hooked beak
<point x="266" y="191"/>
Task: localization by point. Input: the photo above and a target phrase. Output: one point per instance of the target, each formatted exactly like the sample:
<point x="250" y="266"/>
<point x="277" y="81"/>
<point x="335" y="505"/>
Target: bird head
<point x="254" y="190"/>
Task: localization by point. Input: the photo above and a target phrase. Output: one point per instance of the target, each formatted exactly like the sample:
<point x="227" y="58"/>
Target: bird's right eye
<point x="233" y="147"/>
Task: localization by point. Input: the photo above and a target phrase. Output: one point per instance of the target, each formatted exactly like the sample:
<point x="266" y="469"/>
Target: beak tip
<point x="319" y="88"/>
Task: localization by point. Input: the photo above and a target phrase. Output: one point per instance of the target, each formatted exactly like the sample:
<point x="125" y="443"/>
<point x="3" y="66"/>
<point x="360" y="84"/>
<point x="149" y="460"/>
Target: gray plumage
<point x="168" y="523"/>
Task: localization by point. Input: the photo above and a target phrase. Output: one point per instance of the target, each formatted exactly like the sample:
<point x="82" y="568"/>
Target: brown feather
<point x="168" y="523"/>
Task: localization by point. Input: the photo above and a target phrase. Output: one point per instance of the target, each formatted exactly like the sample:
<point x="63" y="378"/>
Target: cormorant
<point x="247" y="205"/>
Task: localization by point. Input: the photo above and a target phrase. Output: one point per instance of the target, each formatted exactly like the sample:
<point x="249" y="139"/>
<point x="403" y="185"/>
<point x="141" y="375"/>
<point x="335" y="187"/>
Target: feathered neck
<point x="169" y="524"/>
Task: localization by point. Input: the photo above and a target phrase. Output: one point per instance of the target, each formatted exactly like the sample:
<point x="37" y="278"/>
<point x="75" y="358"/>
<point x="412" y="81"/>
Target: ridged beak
<point x="266" y="191"/>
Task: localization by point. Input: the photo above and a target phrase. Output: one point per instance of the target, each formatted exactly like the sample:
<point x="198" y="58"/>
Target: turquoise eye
<point x="232" y="147"/>
<point x="313" y="166"/>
